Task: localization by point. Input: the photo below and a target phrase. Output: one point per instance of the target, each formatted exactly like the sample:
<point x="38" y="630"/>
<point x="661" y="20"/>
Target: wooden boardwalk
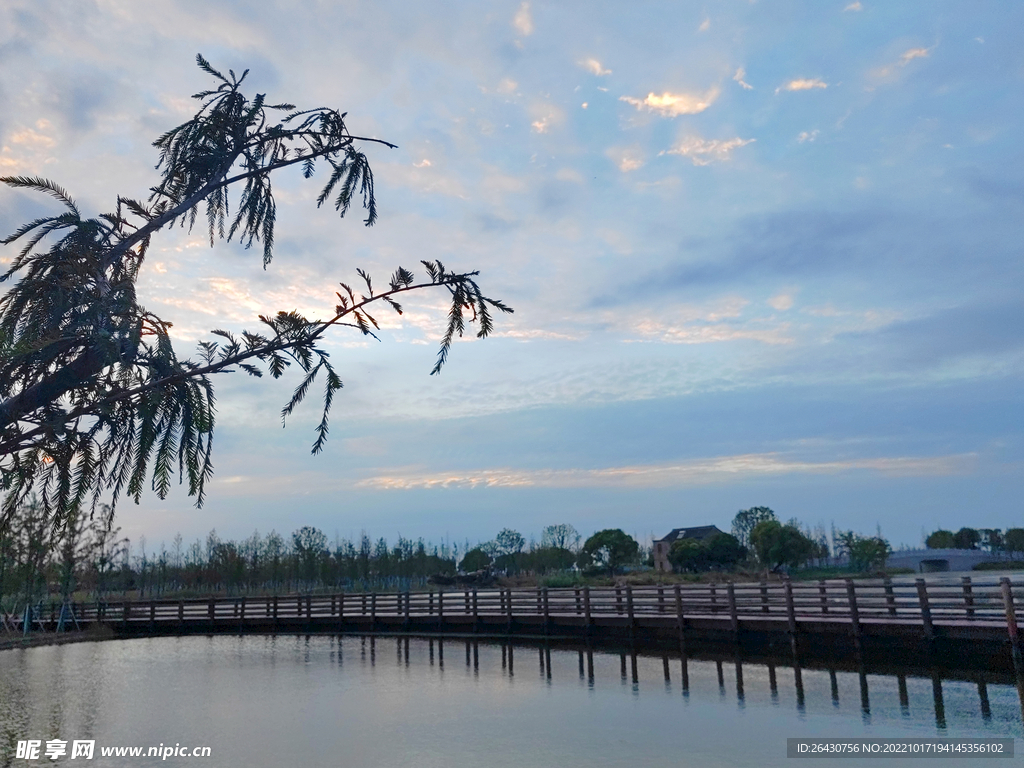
<point x="839" y="616"/>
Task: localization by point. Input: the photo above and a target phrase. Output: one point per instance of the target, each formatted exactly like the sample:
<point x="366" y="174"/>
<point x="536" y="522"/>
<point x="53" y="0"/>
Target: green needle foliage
<point x="94" y="399"/>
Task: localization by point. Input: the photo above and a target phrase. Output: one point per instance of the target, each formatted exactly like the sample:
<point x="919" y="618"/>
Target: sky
<point x="760" y="254"/>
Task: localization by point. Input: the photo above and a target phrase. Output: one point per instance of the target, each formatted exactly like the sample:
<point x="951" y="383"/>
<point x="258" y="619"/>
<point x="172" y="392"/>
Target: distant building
<point x="662" y="546"/>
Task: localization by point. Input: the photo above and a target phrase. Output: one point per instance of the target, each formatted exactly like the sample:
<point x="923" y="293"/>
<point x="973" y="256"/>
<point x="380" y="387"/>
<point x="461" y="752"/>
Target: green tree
<point x="561" y="536"/>
<point x="940" y="539"/>
<point x="723" y="550"/>
<point x="966" y="538"/>
<point x="310" y="546"/>
<point x="94" y="399"/>
<point x="1013" y="540"/>
<point x="475" y="560"/>
<point x="687" y="555"/>
<point x="611" y="548"/>
<point x="777" y="545"/>
<point x="747" y="519"/>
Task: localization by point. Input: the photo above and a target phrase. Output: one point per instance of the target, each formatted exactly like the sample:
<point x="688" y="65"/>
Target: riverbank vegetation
<point x="90" y="559"/>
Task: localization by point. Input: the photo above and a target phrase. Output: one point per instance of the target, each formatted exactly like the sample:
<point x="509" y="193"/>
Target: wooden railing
<point x="972" y="602"/>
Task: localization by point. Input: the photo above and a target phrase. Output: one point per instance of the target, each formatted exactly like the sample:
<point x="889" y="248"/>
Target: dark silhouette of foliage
<point x="966" y="538"/>
<point x="940" y="539"/>
<point x="94" y="399"/>
<point x="745" y="521"/>
<point x="777" y="545"/>
<point x="475" y="560"/>
<point x="611" y="548"/>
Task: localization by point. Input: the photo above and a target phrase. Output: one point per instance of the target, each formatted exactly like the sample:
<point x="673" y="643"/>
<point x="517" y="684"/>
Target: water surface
<point x="294" y="700"/>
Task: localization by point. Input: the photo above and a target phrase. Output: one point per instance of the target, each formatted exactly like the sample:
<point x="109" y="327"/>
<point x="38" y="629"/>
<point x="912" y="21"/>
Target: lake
<point x="352" y="701"/>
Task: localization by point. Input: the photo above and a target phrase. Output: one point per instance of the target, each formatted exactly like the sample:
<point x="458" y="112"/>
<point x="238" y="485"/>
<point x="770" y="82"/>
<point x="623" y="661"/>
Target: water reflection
<point x="267" y="701"/>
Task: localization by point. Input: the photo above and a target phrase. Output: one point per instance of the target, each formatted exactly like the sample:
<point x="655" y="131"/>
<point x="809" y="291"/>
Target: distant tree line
<point x="760" y="540"/>
<point x="992" y="540"/>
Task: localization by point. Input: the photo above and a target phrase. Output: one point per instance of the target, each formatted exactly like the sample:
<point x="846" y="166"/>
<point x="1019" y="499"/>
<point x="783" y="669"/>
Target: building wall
<point x="661" y="562"/>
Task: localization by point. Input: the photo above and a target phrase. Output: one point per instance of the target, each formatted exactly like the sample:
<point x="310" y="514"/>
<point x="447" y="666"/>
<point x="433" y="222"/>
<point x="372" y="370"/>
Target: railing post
<point x="823" y="593"/>
<point x="407" y="619"/>
<point x="440" y="610"/>
<point x="890" y="597"/>
<point x="586" y="608"/>
<point x="476" y="612"/>
<point x="764" y="596"/>
<point x="965" y="582"/>
<point x="309" y="608"/>
<point x="430" y="611"/>
<point x="181" y="612"/>
<point x="618" y="599"/>
<point x="1011" y="624"/>
<point x="241" y="613"/>
<point x="661" y="599"/>
<point x="152" y="615"/>
<point x="733" y="614"/>
<point x="714" y="598"/>
<point x="851" y="597"/>
<point x="547" y="612"/>
<point x="926" y="611"/>
<point x="334" y="602"/>
<point x="373" y="612"/>
<point x="680" y="619"/>
<point x="212" y="610"/>
<point x="465" y="596"/>
<point x="341" y="609"/>
<point x="791" y="614"/>
<point x="508" y="610"/>
<point x="579" y="604"/>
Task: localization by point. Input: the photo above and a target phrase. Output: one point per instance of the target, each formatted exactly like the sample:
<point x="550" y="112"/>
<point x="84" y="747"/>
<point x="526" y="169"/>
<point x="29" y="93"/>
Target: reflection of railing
<point x="863" y="607"/>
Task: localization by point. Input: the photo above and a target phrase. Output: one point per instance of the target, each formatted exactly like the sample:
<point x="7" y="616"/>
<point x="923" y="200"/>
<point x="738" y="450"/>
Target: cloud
<point x="905" y="58"/>
<point x="693" y="473"/>
<point x="855" y="6"/>
<point x="626" y="159"/>
<point x="593" y="66"/>
<point x="807" y="136"/>
<point x="782" y="302"/>
<point x="704" y="152"/>
<point x="674" y="104"/>
<point x="803" y="84"/>
<point x="738" y="77"/>
<point x="523" y="20"/>
<point x="913" y="53"/>
<point x="704" y="25"/>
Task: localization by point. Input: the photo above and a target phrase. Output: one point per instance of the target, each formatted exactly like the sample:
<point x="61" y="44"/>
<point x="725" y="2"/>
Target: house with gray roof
<point x="663" y="545"/>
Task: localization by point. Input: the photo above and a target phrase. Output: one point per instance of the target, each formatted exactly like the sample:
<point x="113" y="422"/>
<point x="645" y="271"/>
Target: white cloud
<point x="705" y="151"/>
<point x="738" y="77"/>
<point x="424" y="163"/>
<point x="523" y="20"/>
<point x="803" y="84"/>
<point x="855" y="6"/>
<point x="691" y="473"/>
<point x="704" y="25"/>
<point x="626" y="159"/>
<point x="782" y="302"/>
<point x="541" y="125"/>
<point x="905" y="58"/>
<point x="674" y="104"/>
<point x="593" y="66"/>
<point x="913" y="53"/>
<point x="807" y="136"/>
